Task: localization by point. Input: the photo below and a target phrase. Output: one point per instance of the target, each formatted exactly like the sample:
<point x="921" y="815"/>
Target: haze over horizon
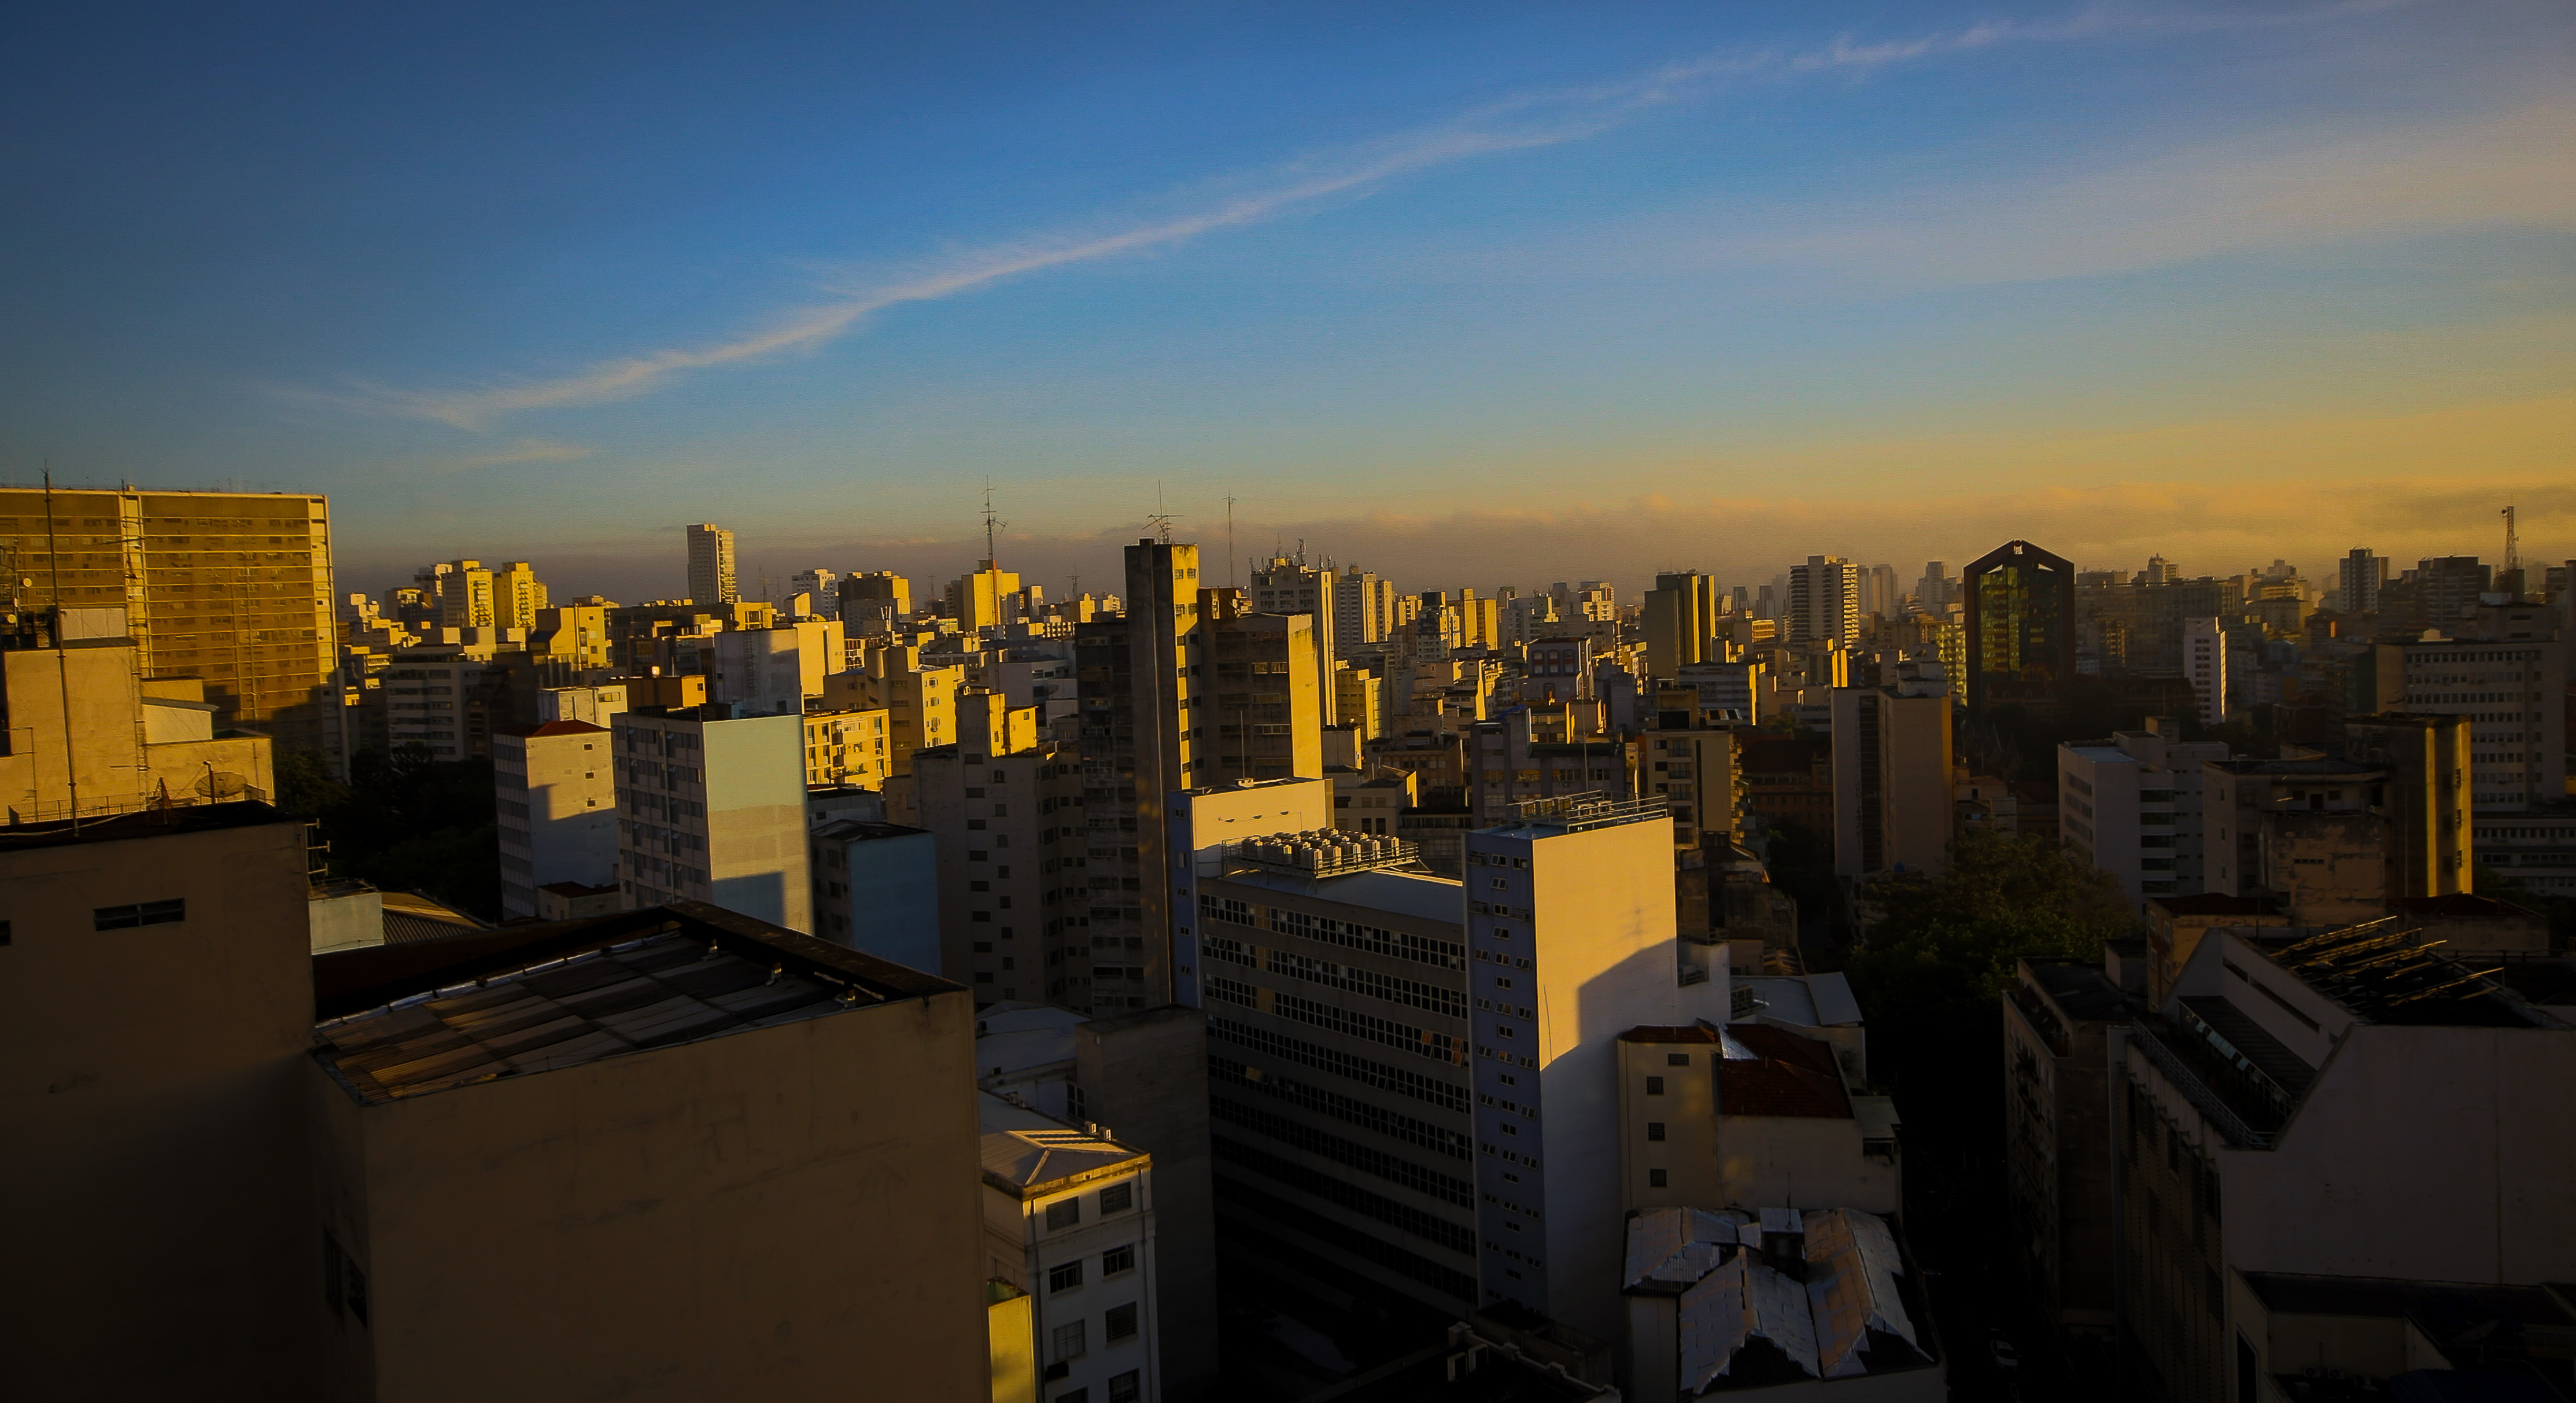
<point x="1468" y="297"/>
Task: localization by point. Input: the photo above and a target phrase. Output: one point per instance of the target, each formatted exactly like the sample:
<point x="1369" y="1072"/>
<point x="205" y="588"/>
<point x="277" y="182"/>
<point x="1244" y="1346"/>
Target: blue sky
<point x="1469" y="294"/>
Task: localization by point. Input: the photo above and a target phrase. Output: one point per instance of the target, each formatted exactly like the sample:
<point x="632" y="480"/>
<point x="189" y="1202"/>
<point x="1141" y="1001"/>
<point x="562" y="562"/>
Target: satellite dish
<point x="219" y="785"/>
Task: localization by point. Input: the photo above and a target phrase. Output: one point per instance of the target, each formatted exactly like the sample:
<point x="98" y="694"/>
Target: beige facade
<point x="155" y="1005"/>
<point x="230" y="588"/>
<point x="779" y="1203"/>
<point x="88" y="735"/>
<point x="1003" y="802"/>
<point x="1892" y="778"/>
<point x="849" y="747"/>
<point x="1268" y="719"/>
<point x="711" y="807"/>
<point x="556" y="795"/>
<point x="711" y="570"/>
<point x="1695" y="772"/>
<point x="920" y="702"/>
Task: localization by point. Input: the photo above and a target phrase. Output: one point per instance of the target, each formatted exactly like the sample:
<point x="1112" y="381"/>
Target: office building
<point x="1936" y="591"/>
<point x="1069" y="1218"/>
<point x="556" y="795"/>
<point x="820" y="586"/>
<point x="1693" y="769"/>
<point x="2358" y="577"/>
<point x="153" y="1020"/>
<point x="735" y="1101"/>
<point x="1892" y="753"/>
<point x="1681" y="619"/>
<point x="1824" y="601"/>
<point x="1005" y="801"/>
<point x="2057" y="1126"/>
<point x="1288" y="585"/>
<point x="2514" y="695"/>
<point x="232" y="589"/>
<point x="2132" y="806"/>
<point x="2020" y="612"/>
<point x="711" y="572"/>
<point x="1571" y="931"/>
<point x="1144" y="735"/>
<point x="711" y="808"/>
<point x="2288" y="1099"/>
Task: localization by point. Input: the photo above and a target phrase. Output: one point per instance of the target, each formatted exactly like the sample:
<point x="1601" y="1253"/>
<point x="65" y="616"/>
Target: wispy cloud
<point x="1525" y="122"/>
<point x="528" y="450"/>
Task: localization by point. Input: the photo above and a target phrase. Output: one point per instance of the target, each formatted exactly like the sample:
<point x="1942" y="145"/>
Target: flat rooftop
<point x="2083" y="991"/>
<point x="149" y="823"/>
<point x="2381" y="971"/>
<point x="1419" y="895"/>
<point x="530" y="999"/>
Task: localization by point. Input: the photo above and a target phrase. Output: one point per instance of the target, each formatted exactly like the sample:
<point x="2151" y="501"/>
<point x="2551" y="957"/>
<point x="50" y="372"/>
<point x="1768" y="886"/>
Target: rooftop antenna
<point x="1161" y="520"/>
<point x="2512" y="543"/>
<point x="992" y="527"/>
<point x="1229" y="541"/>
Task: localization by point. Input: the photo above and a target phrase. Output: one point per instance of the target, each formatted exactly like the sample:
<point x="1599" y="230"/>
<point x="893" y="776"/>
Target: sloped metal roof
<point x="1852" y="1266"/>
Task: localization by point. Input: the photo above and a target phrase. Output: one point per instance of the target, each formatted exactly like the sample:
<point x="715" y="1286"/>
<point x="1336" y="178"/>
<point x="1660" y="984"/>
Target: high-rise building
<point x="1824" y="601"/>
<point x="822" y="587"/>
<point x="711" y="807"/>
<point x="2448" y="586"/>
<point x="1936" y="591"/>
<point x="2204" y="664"/>
<point x="1288" y="585"/>
<point x="1363" y="609"/>
<point x="1681" y="618"/>
<point x="1145" y="735"/>
<point x="777" y="669"/>
<point x="2021" y="626"/>
<point x="556" y="793"/>
<point x="985" y="599"/>
<point x="230" y="588"/>
<point x="1571" y="938"/>
<point x="1892" y="751"/>
<point x="1264" y="697"/>
<point x="1879" y="594"/>
<point x="711" y="573"/>
<point x="2132" y="806"/>
<point x="1004" y="804"/>
<point x="2358" y="578"/>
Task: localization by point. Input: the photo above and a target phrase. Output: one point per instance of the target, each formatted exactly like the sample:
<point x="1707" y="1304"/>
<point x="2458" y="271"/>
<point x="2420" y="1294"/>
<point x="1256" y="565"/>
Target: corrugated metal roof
<point x="1029" y="1160"/>
<point x="653" y="992"/>
<point x="1735" y="1305"/>
<point x="1670" y="1248"/>
<point x="1852" y="1266"/>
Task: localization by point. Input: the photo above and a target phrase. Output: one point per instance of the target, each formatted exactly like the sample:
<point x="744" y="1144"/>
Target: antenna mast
<point x="62" y="657"/>
<point x="1229" y="541"/>
<point x="2512" y="543"/>
<point x="1161" y="520"/>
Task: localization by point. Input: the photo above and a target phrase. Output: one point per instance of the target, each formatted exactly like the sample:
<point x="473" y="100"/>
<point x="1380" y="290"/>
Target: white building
<point x="776" y="669"/>
<point x="822" y="587"/>
<point x="2133" y="807"/>
<point x="1571" y="932"/>
<point x="2204" y="661"/>
<point x="2513" y="689"/>
<point x="711" y="807"/>
<point x="594" y="703"/>
<point x="555" y="799"/>
<point x="1069" y="1218"/>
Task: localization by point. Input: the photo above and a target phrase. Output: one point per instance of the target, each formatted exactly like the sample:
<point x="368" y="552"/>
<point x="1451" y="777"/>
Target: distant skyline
<point x="1466" y="295"/>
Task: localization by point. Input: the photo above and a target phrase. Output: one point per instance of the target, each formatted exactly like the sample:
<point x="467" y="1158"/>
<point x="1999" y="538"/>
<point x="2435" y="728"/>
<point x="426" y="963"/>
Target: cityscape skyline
<point x="1784" y="268"/>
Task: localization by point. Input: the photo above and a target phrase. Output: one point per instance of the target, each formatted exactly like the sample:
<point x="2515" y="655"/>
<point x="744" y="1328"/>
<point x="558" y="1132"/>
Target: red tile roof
<point x="554" y="728"/>
<point x="1787" y="1076"/>
<point x="1657" y="1033"/>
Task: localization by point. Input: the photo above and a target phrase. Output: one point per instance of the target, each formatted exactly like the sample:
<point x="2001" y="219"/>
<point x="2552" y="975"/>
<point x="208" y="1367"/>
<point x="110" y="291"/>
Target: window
<point x="1068" y="1345"/>
<point x="1124" y="1388"/>
<point x="1118" y="1259"/>
<point x="1654" y="1086"/>
<point x="1066" y="1277"/>
<point x="1676" y="1059"/>
<point x="149" y="913"/>
<point x="1654" y="1130"/>
<point x="1654" y="1178"/>
<point x="1064" y="1212"/>
<point x="1117" y="1198"/>
<point x="1119" y="1323"/>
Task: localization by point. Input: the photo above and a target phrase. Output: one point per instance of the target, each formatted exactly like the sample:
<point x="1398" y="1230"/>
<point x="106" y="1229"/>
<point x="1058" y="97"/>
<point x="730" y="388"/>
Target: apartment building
<point x="874" y="595"/>
<point x="1264" y="701"/>
<point x="1511" y="760"/>
<point x="232" y="589"/>
<point x="1891" y="772"/>
<point x="1364" y="609"/>
<point x="1289" y="586"/>
<point x="779" y="668"/>
<point x="2288" y="1098"/>
<point x="721" y="1087"/>
<point x="1069" y="1218"/>
<point x="1570" y="929"/>
<point x="920" y="701"/>
<point x="849" y="748"/>
<point x="555" y="792"/>
<point x="2204" y="664"/>
<point x="2133" y="806"/>
<point x="876" y="889"/>
<point x="1146" y="732"/>
<point x="1005" y="804"/>
<point x="1824" y="601"/>
<point x="1694" y="770"/>
<point x="711" y="571"/>
<point x="1680" y="620"/>
<point x="711" y="808"/>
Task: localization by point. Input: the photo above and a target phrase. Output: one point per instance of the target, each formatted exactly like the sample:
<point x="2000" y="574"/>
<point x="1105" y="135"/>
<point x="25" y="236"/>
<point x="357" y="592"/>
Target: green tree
<point x="404" y="822"/>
